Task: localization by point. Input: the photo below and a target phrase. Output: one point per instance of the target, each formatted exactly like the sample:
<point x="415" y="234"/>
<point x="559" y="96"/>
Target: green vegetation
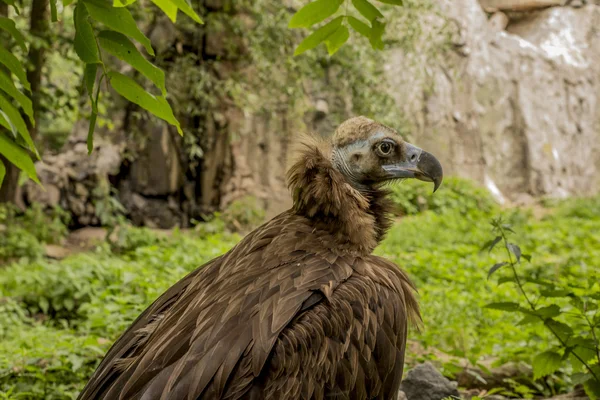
<point x="23" y="236"/>
<point x="567" y="308"/>
<point x="57" y="318"/>
<point x="441" y="249"/>
<point x="100" y="32"/>
<point x="458" y="195"/>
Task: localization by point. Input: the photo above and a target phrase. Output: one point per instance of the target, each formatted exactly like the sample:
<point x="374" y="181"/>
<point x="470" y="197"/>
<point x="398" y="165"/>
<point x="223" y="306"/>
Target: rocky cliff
<point x="514" y="103"/>
<point x="508" y="98"/>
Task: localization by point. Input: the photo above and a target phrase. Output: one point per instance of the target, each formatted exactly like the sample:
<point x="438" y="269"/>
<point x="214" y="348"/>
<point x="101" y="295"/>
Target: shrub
<point x="585" y="208"/>
<point x="457" y="194"/>
<point x="128" y="238"/>
<point x="565" y="305"/>
<point x="23" y="235"/>
<point x="58" y="318"/>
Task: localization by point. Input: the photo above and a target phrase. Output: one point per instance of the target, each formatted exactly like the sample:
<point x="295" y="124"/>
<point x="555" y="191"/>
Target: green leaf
<point x="69" y="304"/>
<point x="133" y="92"/>
<point x="120" y="46"/>
<point x="2" y="172"/>
<point x="583" y="342"/>
<point x="319" y="36"/>
<point x="91" y="129"/>
<point x="6" y="122"/>
<point x="337" y="39"/>
<point x="314" y="12"/>
<point x="508" y="227"/>
<point x="9" y="25"/>
<point x="18" y="156"/>
<point x="586" y="351"/>
<point x="516" y="250"/>
<point x="89" y="78"/>
<point x="118" y="19"/>
<point x="528" y="320"/>
<point x="360" y="27"/>
<point x="505" y="306"/>
<point x="168" y="8"/>
<point x="505" y="279"/>
<point x="393" y="2"/>
<point x="85" y="40"/>
<point x="495" y="268"/>
<point x="563" y="331"/>
<point x="189" y="11"/>
<point x="67" y="2"/>
<point x="12" y="63"/>
<point x="367" y="10"/>
<point x="490" y="244"/>
<point x="15" y="118"/>
<point x="7" y="84"/>
<point x="377" y="42"/>
<point x="122" y="3"/>
<point x="538" y="281"/>
<point x="556" y="293"/>
<point x="527" y="257"/>
<point x="550" y="311"/>
<point x="53" y="12"/>
<point x="546" y="363"/>
<point x="44" y="305"/>
<point x="592" y="387"/>
<point x="580" y="377"/>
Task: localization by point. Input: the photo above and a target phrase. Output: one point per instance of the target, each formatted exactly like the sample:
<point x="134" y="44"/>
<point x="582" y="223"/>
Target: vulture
<point x="298" y="309"/>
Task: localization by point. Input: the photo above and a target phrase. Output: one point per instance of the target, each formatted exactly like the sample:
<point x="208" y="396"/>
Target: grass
<point x="57" y="318"/>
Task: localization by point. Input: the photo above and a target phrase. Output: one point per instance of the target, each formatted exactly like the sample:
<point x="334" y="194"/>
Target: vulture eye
<point x="385" y="148"/>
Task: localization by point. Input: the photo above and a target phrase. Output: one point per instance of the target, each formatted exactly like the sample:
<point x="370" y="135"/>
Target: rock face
<point x="157" y="170"/>
<point x="516" y="109"/>
<point x="514" y="103"/>
<point x="76" y="181"/>
<point x="424" y="382"/>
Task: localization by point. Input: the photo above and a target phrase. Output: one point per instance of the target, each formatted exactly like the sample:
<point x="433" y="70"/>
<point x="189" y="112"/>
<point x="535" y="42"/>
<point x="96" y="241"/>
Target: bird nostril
<point x="413" y="158"/>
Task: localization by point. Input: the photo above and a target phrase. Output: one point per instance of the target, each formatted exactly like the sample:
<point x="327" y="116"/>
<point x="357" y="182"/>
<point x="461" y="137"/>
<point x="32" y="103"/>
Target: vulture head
<point x="338" y="183"/>
<point x="368" y="153"/>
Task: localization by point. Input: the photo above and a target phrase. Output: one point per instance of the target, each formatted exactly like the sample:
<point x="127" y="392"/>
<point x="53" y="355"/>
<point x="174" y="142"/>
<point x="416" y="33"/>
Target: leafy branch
<point x="105" y="27"/>
<point x="572" y="345"/>
<point x="115" y="38"/>
<point x="367" y="21"/>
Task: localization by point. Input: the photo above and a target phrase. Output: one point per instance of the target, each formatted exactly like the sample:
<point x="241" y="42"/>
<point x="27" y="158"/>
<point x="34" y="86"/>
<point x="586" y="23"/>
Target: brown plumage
<point x="300" y="308"/>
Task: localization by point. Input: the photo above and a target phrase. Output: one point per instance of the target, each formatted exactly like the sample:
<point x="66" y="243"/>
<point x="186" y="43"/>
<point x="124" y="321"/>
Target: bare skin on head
<point x="370" y="153"/>
<point x="300" y="308"/>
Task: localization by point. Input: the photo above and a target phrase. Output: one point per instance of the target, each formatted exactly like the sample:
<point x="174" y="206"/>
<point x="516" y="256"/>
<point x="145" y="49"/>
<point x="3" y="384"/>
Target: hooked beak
<point x="419" y="164"/>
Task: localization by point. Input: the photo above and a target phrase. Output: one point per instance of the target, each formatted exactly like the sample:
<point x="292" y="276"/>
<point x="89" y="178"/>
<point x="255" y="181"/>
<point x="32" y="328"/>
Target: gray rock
<point x="424" y="382"/>
<point x="528" y="99"/>
<point x="71" y="179"/>
<point x="517" y="5"/>
<point x="157" y="169"/>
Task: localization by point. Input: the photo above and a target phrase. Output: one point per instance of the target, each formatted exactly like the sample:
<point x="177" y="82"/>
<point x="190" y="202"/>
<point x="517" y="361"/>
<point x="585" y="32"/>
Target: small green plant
<point x="128" y="239"/>
<point x="23" y="234"/>
<point x="567" y="310"/>
<point x="48" y="226"/>
<point x="575" y="208"/>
